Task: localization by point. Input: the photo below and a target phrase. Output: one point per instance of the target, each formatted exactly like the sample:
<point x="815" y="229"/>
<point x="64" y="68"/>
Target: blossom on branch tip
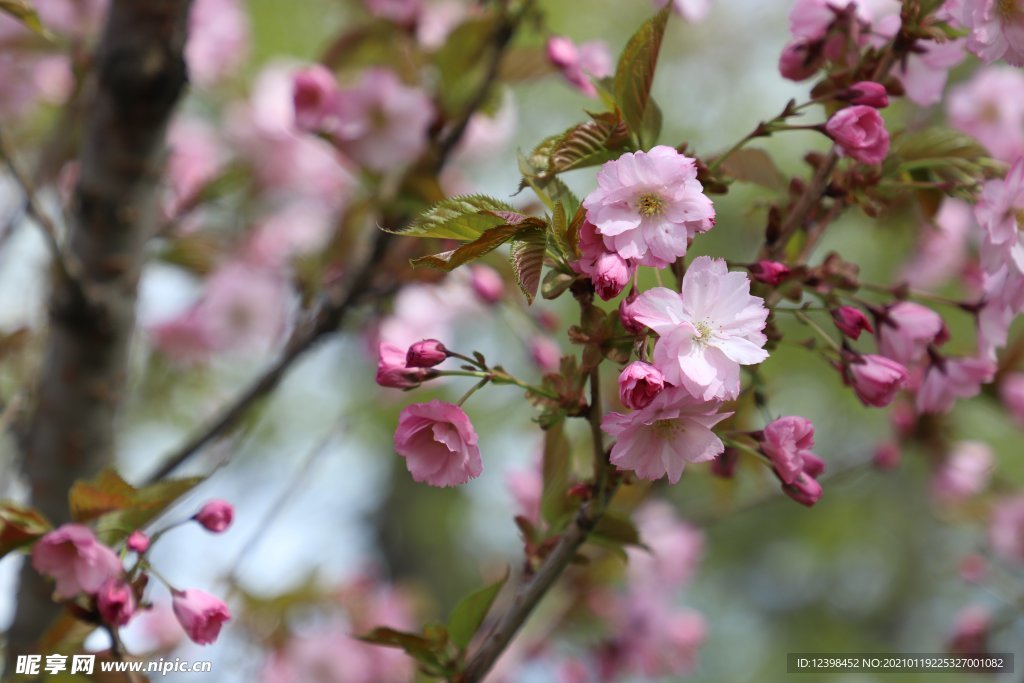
<point x="851" y="321"/>
<point x="875" y="379"/>
<point x="860" y="133"/>
<point x="115" y="602"/>
<point x="639" y="384"/>
<point x="426" y="354"/>
<point x="73" y="556"/>
<point x="787" y="441"/>
<point x="907" y="330"/>
<point x="393" y="372"/>
<point x="769" y="272"/>
<point x="137" y="542"/>
<point x="438" y="443"/>
<point x="609" y="272"/>
<point x="200" y="614"/>
<point x="216" y="516"/>
<point x="707" y="331"/>
<point x="660" y="439"/>
<point x="648" y="205"/>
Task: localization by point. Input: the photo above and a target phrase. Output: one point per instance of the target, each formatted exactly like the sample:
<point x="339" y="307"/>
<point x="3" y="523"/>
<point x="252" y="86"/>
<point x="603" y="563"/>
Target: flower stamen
<point x="650" y="204"/>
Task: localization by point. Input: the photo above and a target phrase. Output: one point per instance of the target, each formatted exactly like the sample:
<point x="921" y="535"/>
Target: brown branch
<point x="139" y="77"/>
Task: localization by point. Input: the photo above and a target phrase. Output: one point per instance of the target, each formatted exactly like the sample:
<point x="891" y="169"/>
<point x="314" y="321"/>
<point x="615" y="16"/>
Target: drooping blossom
<point x="425" y="354"/>
<point x="1011" y="391"/>
<point x="648" y="205"/>
<point x="1006" y="529"/>
<point x="216" y="516"/>
<point x="694" y="11"/>
<point x="672" y="551"/>
<point x="996" y="29"/>
<point x="609" y="272"/>
<point x="73" y="556"/>
<point x="392" y="370"/>
<point x="382" y="123"/>
<point x="639" y="384"/>
<point x="860" y="133"/>
<point x="964" y="472"/>
<point x="787" y="441"/>
<point x="115" y="602"/>
<point x="989" y="107"/>
<point x="875" y="379"/>
<point x="218" y="40"/>
<point x="200" y="614"/>
<point x="851" y="321"/>
<point x="707" y="331"/>
<point x="1000" y="213"/>
<point x="954" y="378"/>
<point x="659" y="440"/>
<point x="907" y="330"/>
<point x="580" y="63"/>
<point x="438" y="443"/>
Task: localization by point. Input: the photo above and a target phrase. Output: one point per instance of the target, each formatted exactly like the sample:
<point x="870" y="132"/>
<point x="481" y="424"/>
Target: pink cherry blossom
<point x="438" y="443"/>
<point x="579" y="64"/>
<point x="398" y="11"/>
<point x="75" y="559"/>
<point x="437" y="20"/>
<point x="673" y="549"/>
<point x="926" y="70"/>
<point x="382" y="124"/>
<point x="244" y="307"/>
<point x="216" y="516"/>
<point x="707" y="331"/>
<point x="184" y="339"/>
<point x="648" y="205"/>
<point x="627" y="313"/>
<point x="218" y="40"/>
<point x="694" y="11"/>
<point x="526" y="487"/>
<point x="330" y="654"/>
<point x="658" y="639"/>
<point x="609" y="272"/>
<point x="196" y="157"/>
<point x="294" y="229"/>
<point x="200" y="614"/>
<point x="639" y="384"/>
<point x="800" y="60"/>
<point x="657" y="441"/>
<point x="115" y="602"/>
<point x="851" y="321"/>
<point x="1000" y="213"/>
<point x="1006" y="529"/>
<point x="425" y="354"/>
<point x="769" y="272"/>
<point x="810" y="19"/>
<point x="875" y="379"/>
<point x="868" y="93"/>
<point x="137" y="542"/>
<point x="392" y="370"/>
<point x="996" y="29"/>
<point x="315" y="96"/>
<point x="805" y="490"/>
<point x="989" y="108"/>
<point x="1011" y="391"/>
<point x="860" y="133"/>
<point x="907" y="330"/>
<point x="786" y="441"/>
<point x="954" y="378"/>
<point x="965" y="471"/>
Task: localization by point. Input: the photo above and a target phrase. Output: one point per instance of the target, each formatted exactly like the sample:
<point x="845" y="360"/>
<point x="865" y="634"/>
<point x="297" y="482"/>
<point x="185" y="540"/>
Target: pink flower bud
<point x="639" y="384"/>
<point x="392" y="371"/>
<point x="769" y="272"/>
<point x="138" y="542"/>
<point x="546" y="353"/>
<point x="200" y="614"/>
<point x="796" y="62"/>
<point x="851" y="321"/>
<point x="438" y="443"/>
<point x="875" y="379"/>
<point x="786" y="441"/>
<point x="887" y="456"/>
<point x="724" y="465"/>
<point x="487" y="284"/>
<point x="78" y="562"/>
<point x="626" y="314"/>
<point x="611" y="275"/>
<point x="970" y="631"/>
<point x="868" y="93"/>
<point x="860" y="133"/>
<point x="215" y="516"/>
<point x="562" y="52"/>
<point x="425" y="354"/>
<point x="115" y="602"/>
<point x="803" y="490"/>
<point x="314" y="93"/>
<point x="813" y="465"/>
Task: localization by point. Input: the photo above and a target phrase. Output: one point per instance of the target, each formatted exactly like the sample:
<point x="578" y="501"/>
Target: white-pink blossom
<point x="1000" y="213"/>
<point x="996" y="29"/>
<point x="694" y="11"/>
<point x="218" y="40"/>
<point x="955" y="378"/>
<point x="707" y="331"/>
<point x="990" y="108"/>
<point x="965" y="471"/>
<point x="648" y="205"/>
<point x="659" y="440"/>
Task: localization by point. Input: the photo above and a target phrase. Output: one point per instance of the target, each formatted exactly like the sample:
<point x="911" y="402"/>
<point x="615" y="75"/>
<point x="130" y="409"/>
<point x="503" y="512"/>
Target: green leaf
<point x="589" y="143"/>
<point x="24" y="12"/>
<point x="470" y="612"/>
<point x="416" y="646"/>
<point x="460" y="218"/>
<point x="556" y="466"/>
<point x="634" y="75"/>
<point x="486" y="242"/>
<point x="108" y="492"/>
<point x="460" y="63"/>
<point x="527" y="258"/>
<point x="19" y="525"/>
<point x="754" y="165"/>
<point x="617" y="530"/>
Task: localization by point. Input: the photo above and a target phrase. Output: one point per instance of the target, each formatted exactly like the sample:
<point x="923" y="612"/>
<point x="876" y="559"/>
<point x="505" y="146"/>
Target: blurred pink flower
<point x="218" y="40"/>
<point x="639" y="384"/>
<point x="438" y="443"/>
<point x="707" y="331"/>
<point x="657" y="639"/>
<point x="954" y="378"/>
<point x="659" y="440"/>
<point x="196" y="157"/>
<point x="648" y="205"/>
<point x="1004" y="299"/>
<point x="925" y="72"/>
<point x="392" y="371"/>
<point x="216" y="516"/>
<point x="1006" y="529"/>
<point x="970" y="631"/>
<point x="243" y="307"/>
<point x="315" y="96"/>
<point x="1000" y="213"/>
<point x="990" y="108"/>
<point x="325" y="656"/>
<point x="526" y="487"/>
<point x="294" y="229"/>
<point x="580" y="63"/>
<point x="799" y="60"/>
<point x="545" y="353"/>
<point x="786" y="441"/>
<point x="609" y="272"/>
<point x="996" y="29"/>
<point x="184" y="339"/>
<point x="382" y="123"/>
<point x="1011" y="391"/>
<point x="875" y="379"/>
<point x="965" y="471"/>
<point x="75" y="559"/>
<point x="694" y="11"/>
<point x="674" y="549"/>
<point x="398" y="11"/>
<point x="941" y="251"/>
<point x="851" y="321"/>
<point x="200" y="614"/>
<point x="860" y="133"/>
<point x="437" y="20"/>
<point x="487" y="283"/>
<point x="907" y="330"/>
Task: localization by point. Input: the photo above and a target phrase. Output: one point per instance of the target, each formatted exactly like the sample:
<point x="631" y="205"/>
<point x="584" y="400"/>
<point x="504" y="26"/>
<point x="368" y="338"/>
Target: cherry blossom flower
<point x="639" y="384"/>
<point x="609" y="272"/>
<point x="769" y="272"/>
<point x="392" y="370"/>
<point x="200" y="614"/>
<point x="115" y="602"/>
<point x="545" y="353"/>
<point x="218" y="40"/>
<point x="315" y="98"/>
<point x="658" y="639"/>
<point x="707" y="331"/>
<point x="659" y="440"/>
<point x="965" y="471"/>
<point x="996" y="29"/>
<point x="438" y="443"/>
<point x="907" y="330"/>
<point x="942" y="247"/>
<point x="1011" y="391"/>
<point x="244" y="307"/>
<point x="1003" y="292"/>
<point x="952" y="379"/>
<point x="648" y="205"/>
<point x="875" y="379"/>
<point x="487" y="283"/>
<point x="1000" y="213"/>
<point x="860" y="133"/>
<point x="694" y="11"/>
<point x="673" y="548"/>
<point x="75" y="559"/>
<point x="926" y="70"/>
<point x="580" y="63"/>
<point x="786" y="441"/>
<point x="425" y="354"/>
<point x="867" y="93"/>
<point x="851" y="321"/>
<point x="989" y="108"/>
<point x="526" y="487"/>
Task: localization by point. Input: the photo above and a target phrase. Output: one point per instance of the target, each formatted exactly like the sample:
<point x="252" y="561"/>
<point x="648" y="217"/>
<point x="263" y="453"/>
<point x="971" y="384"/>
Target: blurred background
<point x="322" y="500"/>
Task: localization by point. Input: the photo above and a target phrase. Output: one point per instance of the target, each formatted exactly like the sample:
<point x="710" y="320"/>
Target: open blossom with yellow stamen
<point x="648" y="205"/>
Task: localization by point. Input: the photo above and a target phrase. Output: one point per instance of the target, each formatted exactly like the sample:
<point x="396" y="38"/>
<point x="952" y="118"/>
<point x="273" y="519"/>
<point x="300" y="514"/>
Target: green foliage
<point x="634" y="77"/>
<point x="527" y="257"/>
<point x="19" y="526"/>
<point x="470" y="612"/>
<point x="555" y="506"/>
<point x="24" y="12"/>
<point x="938" y="154"/>
<point x="590" y="143"/>
<point x="754" y="165"/>
<point x="460" y="218"/>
